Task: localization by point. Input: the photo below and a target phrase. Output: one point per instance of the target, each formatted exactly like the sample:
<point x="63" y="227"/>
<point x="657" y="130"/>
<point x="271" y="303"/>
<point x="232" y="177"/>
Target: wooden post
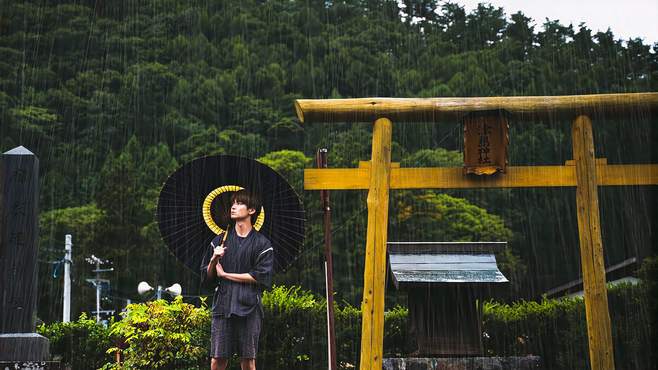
<point x="372" y="306"/>
<point x="321" y="161"/>
<point x="591" y="248"/>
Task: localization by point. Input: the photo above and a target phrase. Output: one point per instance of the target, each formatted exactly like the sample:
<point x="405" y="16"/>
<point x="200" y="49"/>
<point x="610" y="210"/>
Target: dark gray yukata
<point x="237" y="309"/>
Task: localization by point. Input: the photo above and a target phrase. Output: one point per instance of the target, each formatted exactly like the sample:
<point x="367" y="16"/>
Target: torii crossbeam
<point x="585" y="173"/>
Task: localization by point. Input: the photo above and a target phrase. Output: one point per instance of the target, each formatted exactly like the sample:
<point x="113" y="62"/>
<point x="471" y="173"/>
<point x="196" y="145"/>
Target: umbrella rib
<point x="184" y="229"/>
<point x="287" y="229"/>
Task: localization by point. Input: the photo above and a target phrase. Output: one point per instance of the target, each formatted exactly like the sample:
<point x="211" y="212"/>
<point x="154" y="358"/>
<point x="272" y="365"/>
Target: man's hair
<point x="249" y="199"/>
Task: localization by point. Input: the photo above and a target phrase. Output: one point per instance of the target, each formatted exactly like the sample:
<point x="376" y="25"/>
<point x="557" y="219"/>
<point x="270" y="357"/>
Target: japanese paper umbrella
<point x="194" y="207"/>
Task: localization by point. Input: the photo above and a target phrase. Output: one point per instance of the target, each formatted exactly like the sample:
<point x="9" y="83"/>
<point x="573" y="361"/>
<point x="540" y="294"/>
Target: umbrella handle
<point x="225" y="234"/>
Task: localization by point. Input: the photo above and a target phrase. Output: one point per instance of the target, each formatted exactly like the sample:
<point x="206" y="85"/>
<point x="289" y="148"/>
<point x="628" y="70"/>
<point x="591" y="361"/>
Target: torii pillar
<point x="372" y="306"/>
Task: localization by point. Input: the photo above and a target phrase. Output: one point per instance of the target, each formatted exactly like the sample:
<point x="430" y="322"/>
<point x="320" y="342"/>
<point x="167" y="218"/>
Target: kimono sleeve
<point x="207" y="255"/>
<point x="263" y="268"/>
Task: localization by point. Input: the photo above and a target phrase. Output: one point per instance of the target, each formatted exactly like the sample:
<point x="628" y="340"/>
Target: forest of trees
<point x="113" y="96"/>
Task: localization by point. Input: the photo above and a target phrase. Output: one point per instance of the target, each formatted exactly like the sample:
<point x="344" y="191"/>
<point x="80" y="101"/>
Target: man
<point x="240" y="266"/>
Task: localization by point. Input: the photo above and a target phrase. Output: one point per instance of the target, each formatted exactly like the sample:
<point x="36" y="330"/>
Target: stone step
<point x="464" y="363"/>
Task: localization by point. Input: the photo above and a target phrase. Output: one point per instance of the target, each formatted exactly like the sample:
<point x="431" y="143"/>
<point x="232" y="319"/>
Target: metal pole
<point x="68" y="259"/>
<point x="98" y="291"/>
<point x="321" y="161"/>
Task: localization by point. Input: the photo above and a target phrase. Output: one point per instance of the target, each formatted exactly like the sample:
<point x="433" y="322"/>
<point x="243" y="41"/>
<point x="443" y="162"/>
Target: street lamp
<point x="174" y="290"/>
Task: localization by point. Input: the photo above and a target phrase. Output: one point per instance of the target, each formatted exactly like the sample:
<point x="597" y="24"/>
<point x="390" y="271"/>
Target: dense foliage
<point x="114" y="95"/>
<point x="80" y="344"/>
<point x="557" y="329"/>
<point x="161" y="335"/>
<point x="294" y="333"/>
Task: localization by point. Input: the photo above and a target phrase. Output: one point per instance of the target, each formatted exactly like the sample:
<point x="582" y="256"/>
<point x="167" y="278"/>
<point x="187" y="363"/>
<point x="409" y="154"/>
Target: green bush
<point x="176" y="335"/>
<point x="295" y="331"/>
<point x="557" y="330"/>
<point x="162" y="335"/>
<point x="80" y="344"/>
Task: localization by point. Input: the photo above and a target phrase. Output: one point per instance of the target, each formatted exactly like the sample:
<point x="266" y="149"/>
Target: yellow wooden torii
<point x="584" y="172"/>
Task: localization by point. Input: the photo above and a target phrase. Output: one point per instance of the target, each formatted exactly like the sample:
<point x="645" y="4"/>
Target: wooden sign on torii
<point x="585" y="173"/>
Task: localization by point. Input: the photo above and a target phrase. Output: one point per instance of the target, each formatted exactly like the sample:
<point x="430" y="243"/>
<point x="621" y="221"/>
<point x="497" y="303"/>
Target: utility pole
<point x="68" y="260"/>
<point x="98" y="283"/>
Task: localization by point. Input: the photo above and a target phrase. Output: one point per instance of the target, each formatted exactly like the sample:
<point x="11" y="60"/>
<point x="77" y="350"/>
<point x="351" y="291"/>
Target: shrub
<point x="295" y="332"/>
<point x="79" y="344"/>
<point x="157" y="335"/>
<point x="176" y="335"/>
<point x="557" y="330"/>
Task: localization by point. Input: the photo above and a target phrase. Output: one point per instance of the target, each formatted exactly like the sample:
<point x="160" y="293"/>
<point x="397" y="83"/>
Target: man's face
<point x="240" y="212"/>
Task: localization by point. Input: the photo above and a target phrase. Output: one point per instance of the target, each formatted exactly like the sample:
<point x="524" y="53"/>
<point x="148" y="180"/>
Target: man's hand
<point x="218" y="253"/>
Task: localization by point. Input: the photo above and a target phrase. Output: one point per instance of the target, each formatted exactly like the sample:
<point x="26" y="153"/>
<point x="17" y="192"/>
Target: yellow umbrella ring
<point x="207" y="216"/>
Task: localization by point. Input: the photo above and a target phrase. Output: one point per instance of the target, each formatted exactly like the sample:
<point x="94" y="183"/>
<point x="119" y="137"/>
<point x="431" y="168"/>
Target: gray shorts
<point x="235" y="334"/>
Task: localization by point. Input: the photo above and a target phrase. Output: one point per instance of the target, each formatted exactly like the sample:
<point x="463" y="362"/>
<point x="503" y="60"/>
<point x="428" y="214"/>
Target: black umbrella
<point x="194" y="207"/>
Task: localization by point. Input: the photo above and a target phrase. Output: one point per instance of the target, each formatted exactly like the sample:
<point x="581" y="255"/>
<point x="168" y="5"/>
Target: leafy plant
<point x="176" y="335"/>
<point x="162" y="335"/>
<point x="79" y="344"/>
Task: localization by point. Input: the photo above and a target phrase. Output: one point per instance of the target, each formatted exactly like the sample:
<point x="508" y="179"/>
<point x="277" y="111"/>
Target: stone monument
<point x="19" y="212"/>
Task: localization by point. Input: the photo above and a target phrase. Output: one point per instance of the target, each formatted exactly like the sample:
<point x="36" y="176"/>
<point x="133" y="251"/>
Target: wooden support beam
<point x="453" y="178"/>
<point x="372" y="306"/>
<point x="453" y="109"/>
<point x="366" y="164"/>
<point x="591" y="248"/>
<point x="598" y="162"/>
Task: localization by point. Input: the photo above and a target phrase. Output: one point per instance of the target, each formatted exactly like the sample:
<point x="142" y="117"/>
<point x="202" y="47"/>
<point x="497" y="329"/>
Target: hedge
<point x="175" y="335"/>
<point x="557" y="330"/>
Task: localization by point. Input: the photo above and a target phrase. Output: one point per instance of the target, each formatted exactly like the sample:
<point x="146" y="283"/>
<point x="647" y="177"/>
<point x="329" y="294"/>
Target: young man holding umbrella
<point x="239" y="263"/>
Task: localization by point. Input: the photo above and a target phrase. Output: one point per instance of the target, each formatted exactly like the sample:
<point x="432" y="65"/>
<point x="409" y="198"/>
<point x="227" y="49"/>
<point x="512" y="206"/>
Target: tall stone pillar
<point x="19" y="236"/>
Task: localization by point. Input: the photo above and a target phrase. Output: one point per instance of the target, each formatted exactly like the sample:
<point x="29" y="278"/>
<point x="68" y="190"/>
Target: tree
<point x="438" y="157"/>
<point x="453" y="21"/>
<point x="146" y="96"/>
<point x="420" y="10"/>
<point x="286" y="134"/>
<point x="34" y="126"/>
<point x="119" y="199"/>
<point x="157" y="166"/>
<point x="213" y="142"/>
<point x="428" y="216"/>
<point x="79" y="79"/>
<point x="485" y="26"/>
<point x="521" y="34"/>
<point x="290" y="164"/>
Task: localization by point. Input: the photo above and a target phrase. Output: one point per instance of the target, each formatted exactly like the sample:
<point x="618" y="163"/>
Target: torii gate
<point x="585" y="173"/>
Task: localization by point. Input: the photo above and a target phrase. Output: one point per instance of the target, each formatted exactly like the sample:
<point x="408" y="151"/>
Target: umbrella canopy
<point x="194" y="207"/>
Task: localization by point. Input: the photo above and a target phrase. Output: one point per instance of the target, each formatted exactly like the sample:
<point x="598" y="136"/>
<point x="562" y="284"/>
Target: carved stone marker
<point x="19" y="181"/>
